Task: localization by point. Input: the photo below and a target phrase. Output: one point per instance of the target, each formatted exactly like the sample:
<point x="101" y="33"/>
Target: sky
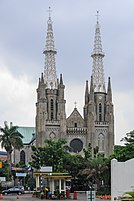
<point x="23" y="26"/>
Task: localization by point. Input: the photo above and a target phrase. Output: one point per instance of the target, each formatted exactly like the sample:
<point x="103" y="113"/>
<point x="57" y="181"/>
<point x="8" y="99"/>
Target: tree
<point x="10" y="139"/>
<point x="73" y="163"/>
<point x="126" y="152"/>
<point x="50" y="155"/>
<point x="95" y="170"/>
<point x="88" y="152"/>
<point x="119" y="153"/>
<point x="129" y="144"/>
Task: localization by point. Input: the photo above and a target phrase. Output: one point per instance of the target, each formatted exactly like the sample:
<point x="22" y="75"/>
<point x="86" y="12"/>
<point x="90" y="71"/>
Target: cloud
<point x="74" y="92"/>
<point x="18" y="97"/>
<point x="124" y="118"/>
<point x="22" y="38"/>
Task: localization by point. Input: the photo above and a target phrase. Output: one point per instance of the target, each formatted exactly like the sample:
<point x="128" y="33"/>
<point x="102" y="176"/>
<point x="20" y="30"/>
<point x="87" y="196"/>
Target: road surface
<point x="28" y="197"/>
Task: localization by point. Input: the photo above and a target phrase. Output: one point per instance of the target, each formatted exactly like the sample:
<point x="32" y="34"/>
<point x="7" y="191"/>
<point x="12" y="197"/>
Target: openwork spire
<point x="50" y="77"/>
<point x="97" y="55"/>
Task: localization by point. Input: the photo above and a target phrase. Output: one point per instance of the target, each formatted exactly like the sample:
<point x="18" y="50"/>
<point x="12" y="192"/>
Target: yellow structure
<point x="56" y="181"/>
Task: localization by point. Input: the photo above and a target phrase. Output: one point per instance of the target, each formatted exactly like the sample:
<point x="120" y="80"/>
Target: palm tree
<point x="10" y="139"/>
<point x="96" y="168"/>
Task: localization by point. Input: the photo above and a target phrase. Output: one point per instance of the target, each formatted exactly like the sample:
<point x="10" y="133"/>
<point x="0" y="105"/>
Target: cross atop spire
<point x="97" y="15"/>
<point x="49" y="12"/>
<point x="97" y="55"/>
<point x="75" y="104"/>
<point x="50" y="77"/>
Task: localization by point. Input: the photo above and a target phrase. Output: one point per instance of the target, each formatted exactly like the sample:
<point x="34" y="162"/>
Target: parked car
<point x="13" y="191"/>
<point x="21" y="187"/>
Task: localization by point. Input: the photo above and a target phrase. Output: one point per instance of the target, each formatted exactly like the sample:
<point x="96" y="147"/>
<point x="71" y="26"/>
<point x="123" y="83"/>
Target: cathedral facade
<point x="97" y="124"/>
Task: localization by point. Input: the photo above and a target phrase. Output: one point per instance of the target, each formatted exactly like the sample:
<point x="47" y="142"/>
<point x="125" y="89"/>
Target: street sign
<point x="46" y="169"/>
<point x="91" y="196"/>
<point x="19" y="174"/>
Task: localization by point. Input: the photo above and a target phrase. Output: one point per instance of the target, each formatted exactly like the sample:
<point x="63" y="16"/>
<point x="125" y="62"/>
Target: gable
<point x="75" y="120"/>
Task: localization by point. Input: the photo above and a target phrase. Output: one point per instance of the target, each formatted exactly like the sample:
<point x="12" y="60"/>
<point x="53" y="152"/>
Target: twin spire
<point x="50" y="77"/>
<point x="97" y="55"/>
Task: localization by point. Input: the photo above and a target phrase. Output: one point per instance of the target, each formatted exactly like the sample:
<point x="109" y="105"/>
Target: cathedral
<point x="96" y="127"/>
<point x="97" y="124"/>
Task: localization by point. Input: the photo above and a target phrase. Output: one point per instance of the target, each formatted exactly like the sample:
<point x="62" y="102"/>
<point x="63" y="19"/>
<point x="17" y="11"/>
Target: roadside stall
<point x="52" y="183"/>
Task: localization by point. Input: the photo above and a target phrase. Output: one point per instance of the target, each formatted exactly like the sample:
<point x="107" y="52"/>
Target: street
<point x="28" y="197"/>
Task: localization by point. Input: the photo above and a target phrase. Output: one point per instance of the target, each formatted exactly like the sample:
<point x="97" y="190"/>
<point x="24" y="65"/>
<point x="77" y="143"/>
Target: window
<point x="100" y="117"/>
<point x="52" y="116"/>
<point x="75" y="125"/>
<point x="100" y="108"/>
<point x="52" y="104"/>
<point x="100" y="112"/>
<point x="76" y="145"/>
<point x="22" y="156"/>
<point x="52" y="108"/>
<point x="101" y="142"/>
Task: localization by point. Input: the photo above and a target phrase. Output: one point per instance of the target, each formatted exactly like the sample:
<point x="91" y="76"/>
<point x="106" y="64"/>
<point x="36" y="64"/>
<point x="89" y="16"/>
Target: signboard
<point x="46" y="169"/>
<point x="20" y="174"/>
<point x="0" y="164"/>
<point x="18" y="169"/>
<point x="2" y="178"/>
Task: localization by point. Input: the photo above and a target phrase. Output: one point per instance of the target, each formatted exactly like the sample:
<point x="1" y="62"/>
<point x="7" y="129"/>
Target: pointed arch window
<point x="101" y="142"/>
<point x="105" y="112"/>
<point x="75" y="125"/>
<point x="100" y="112"/>
<point x="52" y="104"/>
<point x="22" y="156"/>
<point x="100" y="117"/>
<point x="52" y="108"/>
<point x="100" y="108"/>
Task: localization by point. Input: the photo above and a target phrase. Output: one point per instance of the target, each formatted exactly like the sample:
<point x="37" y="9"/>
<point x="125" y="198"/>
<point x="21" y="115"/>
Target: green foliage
<point x="126" y="152"/>
<point x="21" y="165"/>
<point x="131" y="193"/>
<point x="95" y="170"/>
<point x="129" y="197"/>
<point x="88" y="152"/>
<point x="10" y="138"/>
<point x="31" y="183"/>
<point x="50" y="155"/>
<point x="129" y="139"/>
<point x="73" y="163"/>
<point x="5" y="169"/>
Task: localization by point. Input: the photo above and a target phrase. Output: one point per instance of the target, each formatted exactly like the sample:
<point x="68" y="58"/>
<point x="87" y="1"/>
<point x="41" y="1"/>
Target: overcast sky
<point x="23" y="25"/>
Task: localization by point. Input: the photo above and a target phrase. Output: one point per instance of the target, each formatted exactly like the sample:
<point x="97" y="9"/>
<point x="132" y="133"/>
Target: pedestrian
<point x="49" y="195"/>
<point x="42" y="195"/>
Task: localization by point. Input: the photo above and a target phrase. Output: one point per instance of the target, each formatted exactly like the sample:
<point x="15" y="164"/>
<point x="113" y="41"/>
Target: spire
<point x="97" y="55"/>
<point x="61" y="80"/>
<point x="42" y="79"/>
<point x="50" y="77"/>
<point x="91" y="85"/>
<point x="109" y="91"/>
<point x="91" y="89"/>
<point x="86" y="93"/>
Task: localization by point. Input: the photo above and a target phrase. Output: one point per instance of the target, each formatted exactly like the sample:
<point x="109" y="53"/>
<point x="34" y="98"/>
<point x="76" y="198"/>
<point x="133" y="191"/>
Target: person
<point x="41" y="195"/>
<point x="49" y="195"/>
<point x="46" y="191"/>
